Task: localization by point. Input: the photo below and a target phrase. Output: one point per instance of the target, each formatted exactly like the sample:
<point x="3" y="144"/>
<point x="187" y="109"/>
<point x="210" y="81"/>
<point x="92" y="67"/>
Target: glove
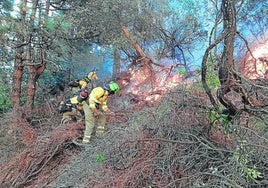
<point x="79" y="107"/>
<point x="96" y="112"/>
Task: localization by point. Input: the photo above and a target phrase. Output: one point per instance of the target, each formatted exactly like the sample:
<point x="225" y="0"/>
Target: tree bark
<point x="229" y="24"/>
<point x="229" y="79"/>
<point x="17" y="79"/>
<point x="226" y="66"/>
<point x="34" y="72"/>
<point x="18" y="64"/>
<point x="36" y="65"/>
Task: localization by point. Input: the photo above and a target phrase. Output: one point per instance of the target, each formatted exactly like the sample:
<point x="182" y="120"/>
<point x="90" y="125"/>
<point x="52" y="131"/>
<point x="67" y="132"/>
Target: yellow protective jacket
<point x="97" y="96"/>
<point x="92" y="76"/>
<point x="83" y="83"/>
<point x="100" y="96"/>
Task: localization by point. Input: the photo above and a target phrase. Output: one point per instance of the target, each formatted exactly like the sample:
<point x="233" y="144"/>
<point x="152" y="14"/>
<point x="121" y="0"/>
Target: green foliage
<point x="251" y="174"/>
<point x="4" y="28"/>
<point x="5" y="102"/>
<point x="182" y="71"/>
<point x="260" y="123"/>
<point x="212" y="79"/>
<point x="241" y="155"/>
<point x="222" y="120"/>
<point x="65" y="25"/>
<point x="6" y="6"/>
<point x="100" y="158"/>
<point x="216" y="118"/>
<point x="57" y="23"/>
<point x="50" y="24"/>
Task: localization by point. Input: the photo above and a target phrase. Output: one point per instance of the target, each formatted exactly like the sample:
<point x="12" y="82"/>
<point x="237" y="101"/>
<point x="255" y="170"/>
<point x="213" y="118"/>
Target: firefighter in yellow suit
<point x="95" y="107"/>
<point x="74" y="112"/>
<point x="86" y="82"/>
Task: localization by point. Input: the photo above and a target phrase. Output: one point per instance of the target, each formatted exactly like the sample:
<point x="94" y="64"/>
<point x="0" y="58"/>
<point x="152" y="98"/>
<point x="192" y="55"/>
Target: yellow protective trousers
<point x="92" y="122"/>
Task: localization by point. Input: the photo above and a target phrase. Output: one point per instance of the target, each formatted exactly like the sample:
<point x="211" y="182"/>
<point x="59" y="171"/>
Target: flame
<point x="142" y="85"/>
<point x="255" y="66"/>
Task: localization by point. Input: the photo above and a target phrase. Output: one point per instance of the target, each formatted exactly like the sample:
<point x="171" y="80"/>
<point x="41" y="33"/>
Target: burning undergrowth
<point x="255" y="63"/>
<point x="148" y="81"/>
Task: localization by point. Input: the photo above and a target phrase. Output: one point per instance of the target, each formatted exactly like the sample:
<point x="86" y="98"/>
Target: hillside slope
<point x="168" y="144"/>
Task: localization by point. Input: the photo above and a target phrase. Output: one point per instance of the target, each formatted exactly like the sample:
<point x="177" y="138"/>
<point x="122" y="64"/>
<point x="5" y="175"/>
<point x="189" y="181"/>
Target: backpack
<point x="65" y="107"/>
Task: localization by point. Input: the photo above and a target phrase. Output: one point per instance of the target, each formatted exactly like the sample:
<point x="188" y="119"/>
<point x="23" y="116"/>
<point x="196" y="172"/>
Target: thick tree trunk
<point x="17" y="79"/>
<point x="18" y="64"/>
<point x="34" y="72"/>
<point x="35" y="65"/>
<point x="226" y="67"/>
<point x="229" y="24"/>
<point x="228" y="78"/>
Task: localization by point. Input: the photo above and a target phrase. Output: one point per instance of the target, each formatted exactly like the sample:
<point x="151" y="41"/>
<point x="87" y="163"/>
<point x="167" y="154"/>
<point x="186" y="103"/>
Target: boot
<point x="66" y="120"/>
<point x="86" y="140"/>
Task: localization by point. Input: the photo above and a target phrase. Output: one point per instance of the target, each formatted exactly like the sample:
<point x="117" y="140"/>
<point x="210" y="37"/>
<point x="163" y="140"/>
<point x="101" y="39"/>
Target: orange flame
<point x="255" y="66"/>
<point x="140" y="83"/>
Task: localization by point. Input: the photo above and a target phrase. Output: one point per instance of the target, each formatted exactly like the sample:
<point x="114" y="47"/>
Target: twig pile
<point x="44" y="156"/>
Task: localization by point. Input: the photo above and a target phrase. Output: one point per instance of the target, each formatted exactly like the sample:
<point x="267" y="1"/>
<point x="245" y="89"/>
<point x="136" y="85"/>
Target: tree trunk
<point x="229" y="80"/>
<point x="134" y="43"/>
<point x="144" y="58"/>
<point x="18" y="64"/>
<point x="17" y="79"/>
<point x="35" y="65"/>
<point x="116" y="65"/>
<point x="227" y="62"/>
<point x="34" y="72"/>
<point x="226" y="67"/>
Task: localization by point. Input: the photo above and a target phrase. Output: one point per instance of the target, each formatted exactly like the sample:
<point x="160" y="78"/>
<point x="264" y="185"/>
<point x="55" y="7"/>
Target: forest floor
<point x="166" y="144"/>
